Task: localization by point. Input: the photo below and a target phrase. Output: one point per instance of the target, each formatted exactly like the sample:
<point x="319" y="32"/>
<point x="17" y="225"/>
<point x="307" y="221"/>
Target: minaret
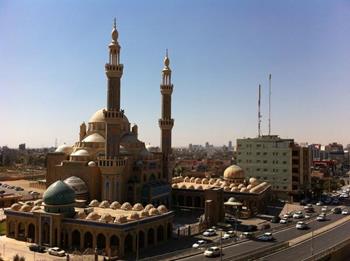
<point x="113" y="114"/>
<point x="166" y="123"/>
<point x="82" y="132"/>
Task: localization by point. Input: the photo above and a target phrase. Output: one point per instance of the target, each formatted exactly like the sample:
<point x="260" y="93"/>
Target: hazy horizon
<point x="53" y="54"/>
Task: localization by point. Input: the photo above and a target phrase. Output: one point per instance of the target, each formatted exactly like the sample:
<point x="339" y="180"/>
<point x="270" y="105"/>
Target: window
<point x="258" y="153"/>
<point x="258" y="169"/>
<point x="258" y="145"/>
<point x="284" y="170"/>
<point x="258" y="161"/>
<point x="265" y="161"/>
<point x="265" y="153"/>
<point x="265" y="170"/>
<point x="284" y="162"/>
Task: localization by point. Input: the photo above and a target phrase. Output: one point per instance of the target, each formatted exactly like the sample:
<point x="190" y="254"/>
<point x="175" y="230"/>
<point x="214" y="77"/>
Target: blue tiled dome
<point x="59" y="193"/>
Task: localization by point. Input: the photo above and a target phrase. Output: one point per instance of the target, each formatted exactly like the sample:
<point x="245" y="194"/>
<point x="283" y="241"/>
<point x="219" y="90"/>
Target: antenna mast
<point x="259" y="113"/>
<point x="270" y="104"/>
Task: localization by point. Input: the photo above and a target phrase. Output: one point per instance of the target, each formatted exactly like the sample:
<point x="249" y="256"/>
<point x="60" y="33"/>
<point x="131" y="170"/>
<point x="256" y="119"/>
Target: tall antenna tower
<point x="56" y="143"/>
<point x="270" y="104"/>
<point x="259" y="112"/>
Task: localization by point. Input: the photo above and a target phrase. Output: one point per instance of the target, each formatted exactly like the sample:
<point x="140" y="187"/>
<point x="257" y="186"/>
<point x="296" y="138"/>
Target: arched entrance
<point x="64" y="238"/>
<point x="114" y="244"/>
<point x="169" y="230"/>
<point x="45" y="239"/>
<point x="160" y="233"/>
<point x="150" y="237"/>
<point x="101" y="242"/>
<point x="88" y="240"/>
<point x="141" y="239"/>
<point x="76" y="239"/>
<point x="21" y="231"/>
<point x="128" y="244"/>
<point x="31" y="232"/>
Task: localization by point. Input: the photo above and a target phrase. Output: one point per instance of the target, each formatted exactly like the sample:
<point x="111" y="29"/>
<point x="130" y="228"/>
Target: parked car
<point x="248" y="235"/>
<point x="324" y="209"/>
<point x="320" y="203"/>
<point x="212" y="252"/>
<point x="209" y="232"/>
<point x="199" y="243"/>
<point x="298" y="215"/>
<point x="56" y="251"/>
<point x="284" y="221"/>
<point x="37" y="248"/>
<point x="321" y="217"/>
<point x="301" y="225"/>
<point x="336" y="210"/>
<point x="345" y="212"/>
<point x="287" y="215"/>
<point x="266" y="237"/>
<point x="309" y="208"/>
<point x="225" y="236"/>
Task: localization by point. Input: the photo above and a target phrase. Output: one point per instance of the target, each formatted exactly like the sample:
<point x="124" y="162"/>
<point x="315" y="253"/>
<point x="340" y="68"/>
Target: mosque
<point x="107" y="191"/>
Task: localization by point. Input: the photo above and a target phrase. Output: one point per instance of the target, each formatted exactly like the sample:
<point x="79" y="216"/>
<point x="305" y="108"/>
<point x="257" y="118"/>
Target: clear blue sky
<point x="52" y="56"/>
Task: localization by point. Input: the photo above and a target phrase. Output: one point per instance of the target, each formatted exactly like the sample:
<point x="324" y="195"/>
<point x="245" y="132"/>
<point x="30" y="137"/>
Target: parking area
<point x="21" y="187"/>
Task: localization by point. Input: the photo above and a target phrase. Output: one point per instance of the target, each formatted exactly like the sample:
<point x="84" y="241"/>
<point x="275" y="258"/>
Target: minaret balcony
<point x="166" y="123"/>
<point x="112" y="162"/>
<point x="166" y="89"/>
<point x="113" y="114"/>
<point x="114" y="70"/>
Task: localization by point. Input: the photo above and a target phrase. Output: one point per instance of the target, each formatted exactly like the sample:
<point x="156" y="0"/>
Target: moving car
<point x="345" y="211"/>
<point x="301" y="225"/>
<point x="209" y="232"/>
<point x="56" y="251"/>
<point x="309" y="208"/>
<point x="266" y="237"/>
<point x="321" y="217"/>
<point x="212" y="251"/>
<point x="37" y="248"/>
<point x="199" y="243"/>
<point x="225" y="236"/>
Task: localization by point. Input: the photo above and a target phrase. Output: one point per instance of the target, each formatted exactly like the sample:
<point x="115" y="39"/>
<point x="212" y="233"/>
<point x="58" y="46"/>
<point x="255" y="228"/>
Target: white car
<point x="212" y="252"/>
<point x="287" y="215"/>
<point x="199" y="243"/>
<point x="324" y="209"/>
<point x="320" y="203"/>
<point x="345" y="211"/>
<point x="226" y="236"/>
<point x="284" y="221"/>
<point x="301" y="225"/>
<point x="321" y="217"/>
<point x="56" y="251"/>
<point x="209" y="232"/>
<point x="298" y="215"/>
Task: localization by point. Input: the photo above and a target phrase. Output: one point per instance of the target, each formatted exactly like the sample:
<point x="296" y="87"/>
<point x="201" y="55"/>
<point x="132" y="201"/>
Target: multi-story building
<point x="281" y="162"/>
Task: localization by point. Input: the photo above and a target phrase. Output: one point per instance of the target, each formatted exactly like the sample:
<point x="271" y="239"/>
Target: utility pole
<point x="270" y="104"/>
<point x="259" y="113"/>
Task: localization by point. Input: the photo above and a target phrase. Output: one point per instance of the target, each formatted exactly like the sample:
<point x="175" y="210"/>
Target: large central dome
<point x="99" y="117"/>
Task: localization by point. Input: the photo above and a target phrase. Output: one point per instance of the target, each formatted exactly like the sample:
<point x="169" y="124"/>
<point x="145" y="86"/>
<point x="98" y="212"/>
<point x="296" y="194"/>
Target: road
<point x="280" y="236"/>
<point x="319" y="243"/>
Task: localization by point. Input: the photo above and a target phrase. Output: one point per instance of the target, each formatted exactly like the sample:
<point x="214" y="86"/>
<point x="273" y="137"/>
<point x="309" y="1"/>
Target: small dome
<point x="233" y="172"/>
<point x="186" y="179"/>
<point x="93" y="216"/>
<point x="92" y="164"/>
<point x="36" y="208"/>
<point x="94" y="203"/>
<point x="80" y="214"/>
<point x="253" y="181"/>
<point x="226" y="188"/>
<point x="162" y="209"/>
<point x="144" y="213"/>
<point x="192" y="179"/>
<point x="77" y="184"/>
<point x="183" y="186"/>
<point x="106" y="218"/>
<point x="234" y="189"/>
<point x="64" y="149"/>
<point x="59" y="193"/>
<point x="198" y="180"/>
<point x="115" y="205"/>
<point x="95" y="137"/>
<point x="212" y="181"/>
<point x="38" y="202"/>
<point x="81" y="153"/>
<point x="134" y="216"/>
<point x="148" y="207"/>
<point x="126" y="206"/>
<point x="244" y="189"/>
<point x="205" y="181"/>
<point x="240" y="186"/>
<point x="104" y="204"/>
<point x="249" y="186"/>
<point x="25" y="208"/>
<point x="16" y="206"/>
<point x="153" y="212"/>
<point x="120" y="219"/>
<point x="232" y="199"/>
<point x="174" y="186"/>
<point x="137" y="207"/>
<point x="98" y="116"/>
<point x="190" y="187"/>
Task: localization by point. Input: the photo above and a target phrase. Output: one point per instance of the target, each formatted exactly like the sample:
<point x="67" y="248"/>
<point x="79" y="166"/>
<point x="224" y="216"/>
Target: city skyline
<point x="52" y="72"/>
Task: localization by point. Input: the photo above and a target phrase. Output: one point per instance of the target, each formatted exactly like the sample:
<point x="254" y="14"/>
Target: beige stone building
<point x="281" y="162"/>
